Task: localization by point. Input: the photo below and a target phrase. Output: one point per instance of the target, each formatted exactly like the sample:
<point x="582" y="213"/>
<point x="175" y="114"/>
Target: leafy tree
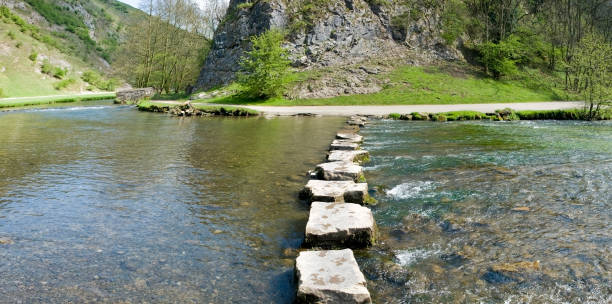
<point x="592" y="67"/>
<point x="266" y="66"/>
<point x="499" y="59"/>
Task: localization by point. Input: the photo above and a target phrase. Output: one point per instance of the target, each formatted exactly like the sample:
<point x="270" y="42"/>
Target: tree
<point x="592" y="67"/>
<point x="266" y="66"/>
<point x="166" y="49"/>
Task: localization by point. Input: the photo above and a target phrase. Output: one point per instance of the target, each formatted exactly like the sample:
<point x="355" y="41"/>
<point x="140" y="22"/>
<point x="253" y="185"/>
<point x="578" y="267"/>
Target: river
<point x="491" y="212"/>
<point x="104" y="203"/>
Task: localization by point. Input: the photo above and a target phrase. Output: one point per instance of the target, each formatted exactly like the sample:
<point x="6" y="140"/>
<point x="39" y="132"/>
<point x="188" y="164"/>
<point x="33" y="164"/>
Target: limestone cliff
<point x="325" y="33"/>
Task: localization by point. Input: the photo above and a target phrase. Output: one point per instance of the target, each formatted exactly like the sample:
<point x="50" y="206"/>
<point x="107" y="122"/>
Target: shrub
<point x="46" y="67"/>
<point x="11" y="35"/>
<point x="19" y="45"/>
<point x="59" y="73"/>
<point x="96" y="80"/>
<point x="245" y="5"/>
<point x="499" y="59"/>
<point x="64" y="83"/>
<point x="454" y="20"/>
<point x="395" y="116"/>
<point x="33" y="56"/>
<point x="266" y="67"/>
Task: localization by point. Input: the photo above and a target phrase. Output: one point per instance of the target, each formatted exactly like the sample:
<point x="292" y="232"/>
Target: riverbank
<point x="17" y="102"/>
<point x="188" y="109"/>
<point x="537" y="110"/>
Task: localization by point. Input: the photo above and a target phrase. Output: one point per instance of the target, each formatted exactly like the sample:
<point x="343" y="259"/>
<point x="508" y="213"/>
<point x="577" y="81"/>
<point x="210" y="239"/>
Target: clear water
<point x="449" y="232"/>
<point x="107" y="204"/>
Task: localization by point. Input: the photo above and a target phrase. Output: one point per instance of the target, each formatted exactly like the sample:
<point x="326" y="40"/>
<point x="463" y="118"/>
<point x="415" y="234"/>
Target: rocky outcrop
<point x="338" y="34"/>
<point x="232" y="38"/>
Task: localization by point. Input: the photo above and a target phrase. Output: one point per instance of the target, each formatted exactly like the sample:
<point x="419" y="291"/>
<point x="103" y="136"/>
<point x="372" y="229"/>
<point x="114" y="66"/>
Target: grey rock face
<point x="232" y="39"/>
<point x="336" y="225"/>
<point x="330" y="276"/>
<point x="339" y="171"/>
<point x="348" y="32"/>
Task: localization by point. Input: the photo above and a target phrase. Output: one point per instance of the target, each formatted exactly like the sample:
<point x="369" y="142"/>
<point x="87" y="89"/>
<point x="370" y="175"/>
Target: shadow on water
<point x="110" y="204"/>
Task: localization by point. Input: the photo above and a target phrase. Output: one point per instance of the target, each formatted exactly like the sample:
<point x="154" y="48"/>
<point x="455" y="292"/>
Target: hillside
<point x="326" y="34"/>
<point x="384" y="51"/>
<point x="53" y="47"/>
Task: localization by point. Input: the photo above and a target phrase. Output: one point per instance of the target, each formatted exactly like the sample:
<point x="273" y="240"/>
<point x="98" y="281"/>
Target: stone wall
<point x="134" y="95"/>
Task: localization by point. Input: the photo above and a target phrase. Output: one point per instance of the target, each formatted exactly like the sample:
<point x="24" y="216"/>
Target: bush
<point x="395" y="116"/>
<point x="19" y="45"/>
<point x="499" y="59"/>
<point x="64" y="83"/>
<point x="11" y="35"/>
<point x="59" y="73"/>
<point x="46" y="67"/>
<point x="96" y="80"/>
<point x="33" y="56"/>
<point x="266" y="67"/>
<point x="454" y="20"/>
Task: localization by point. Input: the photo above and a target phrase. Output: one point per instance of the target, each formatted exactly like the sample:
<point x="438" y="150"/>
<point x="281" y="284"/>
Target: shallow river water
<point x="489" y="212"/>
<point x="108" y="204"/>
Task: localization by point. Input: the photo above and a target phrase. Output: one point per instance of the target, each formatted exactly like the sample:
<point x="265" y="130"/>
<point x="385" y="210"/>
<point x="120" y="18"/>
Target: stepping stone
<point x="340" y="225"/>
<point x="352" y="137"/>
<point x="357" y="121"/>
<point x="339" y="171"/>
<point x="339" y="144"/>
<point x="330" y="276"/>
<point x="348" y="156"/>
<point x="335" y="191"/>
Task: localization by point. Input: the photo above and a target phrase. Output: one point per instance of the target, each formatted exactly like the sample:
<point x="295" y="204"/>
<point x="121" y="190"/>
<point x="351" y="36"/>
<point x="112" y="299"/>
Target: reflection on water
<point x="110" y="204"/>
<point x="474" y="212"/>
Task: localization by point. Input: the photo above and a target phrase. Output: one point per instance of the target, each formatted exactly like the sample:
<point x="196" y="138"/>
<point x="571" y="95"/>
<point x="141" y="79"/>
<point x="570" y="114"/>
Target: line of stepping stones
<point x="338" y="222"/>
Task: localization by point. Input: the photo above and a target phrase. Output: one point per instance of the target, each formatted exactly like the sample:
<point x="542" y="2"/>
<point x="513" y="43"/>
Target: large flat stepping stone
<point x="339" y="171"/>
<point x="339" y="144"/>
<point x="348" y="156"/>
<point x="340" y="225"/>
<point x="352" y="137"/>
<point x="335" y="191"/>
<point x="330" y="276"/>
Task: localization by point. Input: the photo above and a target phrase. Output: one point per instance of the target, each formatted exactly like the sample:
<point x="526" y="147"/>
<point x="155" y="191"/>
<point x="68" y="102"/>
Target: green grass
<point x="409" y="85"/>
<point x="32" y="101"/>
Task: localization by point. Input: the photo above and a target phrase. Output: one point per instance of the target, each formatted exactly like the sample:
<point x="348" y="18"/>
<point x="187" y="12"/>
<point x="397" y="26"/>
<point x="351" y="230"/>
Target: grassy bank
<point x="42" y="100"/>
<point x="410" y="85"/>
<point x="502" y="115"/>
<point x="195" y="110"/>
